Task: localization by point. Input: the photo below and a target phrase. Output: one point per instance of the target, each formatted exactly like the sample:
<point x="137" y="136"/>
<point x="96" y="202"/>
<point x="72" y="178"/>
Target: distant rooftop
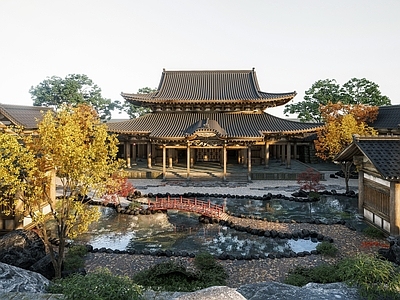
<point x="20" y="115"/>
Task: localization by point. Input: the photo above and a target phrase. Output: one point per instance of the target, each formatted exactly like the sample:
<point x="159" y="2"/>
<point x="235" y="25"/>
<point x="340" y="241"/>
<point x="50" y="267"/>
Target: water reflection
<point x="328" y="208"/>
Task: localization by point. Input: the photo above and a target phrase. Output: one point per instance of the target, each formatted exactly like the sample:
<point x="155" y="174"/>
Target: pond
<point x="178" y="231"/>
<point x="328" y="208"/>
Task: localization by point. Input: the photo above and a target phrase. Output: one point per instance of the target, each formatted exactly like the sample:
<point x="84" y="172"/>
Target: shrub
<point x="100" y="285"/>
<point x="74" y="258"/>
<point x="135" y="204"/>
<point x="168" y="276"/>
<point x="376" y="278"/>
<point x="373" y="232"/>
<point x="320" y="274"/>
<point x="173" y="276"/>
<point x="210" y="273"/>
<point x="326" y="248"/>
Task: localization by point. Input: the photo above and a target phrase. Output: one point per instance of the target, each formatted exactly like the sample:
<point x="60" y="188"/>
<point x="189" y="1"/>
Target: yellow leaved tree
<point x="342" y="121"/>
<point x="73" y="145"/>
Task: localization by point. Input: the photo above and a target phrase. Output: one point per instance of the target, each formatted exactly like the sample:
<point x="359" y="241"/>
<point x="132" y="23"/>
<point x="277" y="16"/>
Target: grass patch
<point x="373" y="232"/>
<point x="374" y="277"/>
<point x="327" y="249"/>
<point x="321" y="274"/>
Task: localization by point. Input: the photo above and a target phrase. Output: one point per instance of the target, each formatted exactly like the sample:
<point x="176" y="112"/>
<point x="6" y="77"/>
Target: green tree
<point x="72" y="145"/>
<point x="322" y="92"/>
<point x="363" y="91"/>
<point x="72" y="90"/>
<point x="135" y="111"/>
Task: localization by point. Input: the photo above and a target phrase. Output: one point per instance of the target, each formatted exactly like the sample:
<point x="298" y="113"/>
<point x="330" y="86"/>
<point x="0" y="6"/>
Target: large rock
<point x="21" y="248"/>
<point x="44" y="267"/>
<point x="393" y="253"/>
<point x="311" y="291"/>
<point x="14" y="279"/>
<point x="215" y="292"/>
<point x="264" y="291"/>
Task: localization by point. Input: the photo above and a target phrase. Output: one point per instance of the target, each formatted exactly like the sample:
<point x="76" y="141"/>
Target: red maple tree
<point x="309" y="180"/>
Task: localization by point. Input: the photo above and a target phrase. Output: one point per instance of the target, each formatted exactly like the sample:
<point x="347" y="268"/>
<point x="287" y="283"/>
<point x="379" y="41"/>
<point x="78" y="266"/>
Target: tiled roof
<point x="209" y="86"/>
<point x="19" y="115"/>
<point x="234" y="125"/>
<point x="388" y="117"/>
<point x="383" y="152"/>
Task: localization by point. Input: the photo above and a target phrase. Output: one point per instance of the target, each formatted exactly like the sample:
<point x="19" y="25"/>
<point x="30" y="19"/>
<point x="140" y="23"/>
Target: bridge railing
<point x="192" y="205"/>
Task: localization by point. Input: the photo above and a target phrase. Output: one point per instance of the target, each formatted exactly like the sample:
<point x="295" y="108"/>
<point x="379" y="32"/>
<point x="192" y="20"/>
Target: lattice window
<point x="377" y="198"/>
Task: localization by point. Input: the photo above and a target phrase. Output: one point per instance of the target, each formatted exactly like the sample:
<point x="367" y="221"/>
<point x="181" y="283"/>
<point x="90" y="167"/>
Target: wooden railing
<point x="205" y="208"/>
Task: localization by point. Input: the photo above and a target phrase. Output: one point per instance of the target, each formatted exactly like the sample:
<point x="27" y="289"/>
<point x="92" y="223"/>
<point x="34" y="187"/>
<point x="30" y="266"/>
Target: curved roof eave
<point x="291" y="131"/>
<point x="145" y="98"/>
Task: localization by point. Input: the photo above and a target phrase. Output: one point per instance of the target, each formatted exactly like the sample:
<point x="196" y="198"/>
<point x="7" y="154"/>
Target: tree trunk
<point x="54" y="259"/>
<point x="346" y="168"/>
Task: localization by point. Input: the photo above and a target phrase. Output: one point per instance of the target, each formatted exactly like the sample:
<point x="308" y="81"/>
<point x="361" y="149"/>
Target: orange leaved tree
<point x="74" y="146"/>
<point x="341" y="123"/>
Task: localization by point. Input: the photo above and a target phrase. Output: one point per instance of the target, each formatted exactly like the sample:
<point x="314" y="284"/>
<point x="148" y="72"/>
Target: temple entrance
<point x="182" y="156"/>
<point x="232" y="156"/>
<point x="208" y="154"/>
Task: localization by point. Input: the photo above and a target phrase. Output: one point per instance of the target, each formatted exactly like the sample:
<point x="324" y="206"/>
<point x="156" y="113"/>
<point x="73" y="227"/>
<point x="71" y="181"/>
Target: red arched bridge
<point x="204" y="208"/>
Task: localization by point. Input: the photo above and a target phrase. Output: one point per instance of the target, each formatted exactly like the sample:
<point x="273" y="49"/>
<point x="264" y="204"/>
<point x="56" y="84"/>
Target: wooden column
<point x="170" y="157"/>
<point x="266" y="155"/>
<point x="283" y="154"/>
<point x="244" y="157"/>
<point x="394" y="208"/>
<point x="224" y="161"/>
<point x="127" y="145"/>
<point x="134" y="154"/>
<point x="249" y="163"/>
<point x="149" y="155"/>
<point x="192" y="156"/>
<point x="288" y="156"/>
<point x="360" y="191"/>
<point x="188" y="157"/>
<point x="164" y="161"/>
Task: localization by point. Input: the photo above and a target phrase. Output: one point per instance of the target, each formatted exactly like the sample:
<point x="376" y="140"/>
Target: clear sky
<point x="123" y="45"/>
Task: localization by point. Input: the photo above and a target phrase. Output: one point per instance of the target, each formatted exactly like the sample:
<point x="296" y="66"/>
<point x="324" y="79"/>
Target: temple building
<point x="27" y="118"/>
<point x="212" y="116"/>
<point x="377" y="160"/>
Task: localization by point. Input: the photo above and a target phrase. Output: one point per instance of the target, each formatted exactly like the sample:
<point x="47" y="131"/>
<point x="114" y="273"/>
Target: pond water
<point x="328" y="208"/>
<point x="178" y="231"/>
